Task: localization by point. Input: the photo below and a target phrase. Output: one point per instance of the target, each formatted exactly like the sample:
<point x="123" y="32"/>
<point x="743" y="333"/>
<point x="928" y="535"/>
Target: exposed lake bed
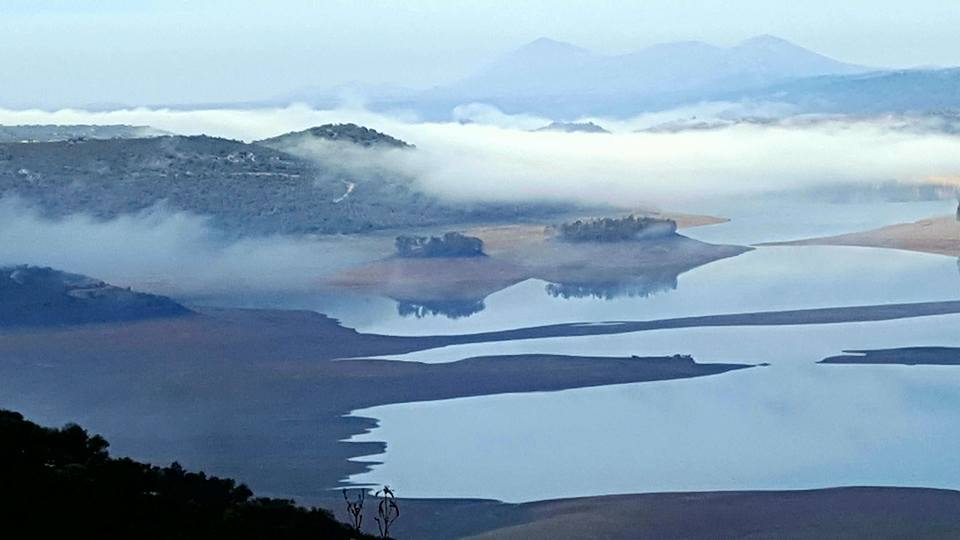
<point x="535" y="379"/>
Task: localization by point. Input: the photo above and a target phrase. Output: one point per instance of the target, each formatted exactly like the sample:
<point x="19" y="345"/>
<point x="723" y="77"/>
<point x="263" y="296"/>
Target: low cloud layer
<point x="494" y="158"/>
<point x="475" y="161"/>
<point x="497" y="157"/>
<point x="173" y="253"/>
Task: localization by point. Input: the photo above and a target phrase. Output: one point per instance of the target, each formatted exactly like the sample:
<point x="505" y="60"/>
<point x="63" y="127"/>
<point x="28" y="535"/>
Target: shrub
<point x="451" y="244"/>
<point x="616" y="229"/>
<point x="62" y="483"/>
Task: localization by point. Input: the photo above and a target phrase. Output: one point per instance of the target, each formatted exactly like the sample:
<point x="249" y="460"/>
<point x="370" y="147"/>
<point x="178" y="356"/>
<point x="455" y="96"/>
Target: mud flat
<point x="641" y="266"/>
<point x="224" y="389"/>
<point x="940" y="235"/>
<point x="906" y="356"/>
<point x="844" y="512"/>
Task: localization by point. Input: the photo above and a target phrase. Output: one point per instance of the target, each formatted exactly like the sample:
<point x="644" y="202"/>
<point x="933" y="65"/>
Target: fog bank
<point x="500" y="159"/>
<point x="173" y="253"/>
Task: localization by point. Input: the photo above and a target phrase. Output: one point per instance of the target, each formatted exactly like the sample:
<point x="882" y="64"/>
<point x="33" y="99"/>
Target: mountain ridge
<point x="564" y="81"/>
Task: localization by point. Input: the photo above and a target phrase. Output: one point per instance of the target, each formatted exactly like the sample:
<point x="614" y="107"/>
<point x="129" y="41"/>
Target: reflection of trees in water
<point x="451" y="309"/>
<point x="640" y="287"/>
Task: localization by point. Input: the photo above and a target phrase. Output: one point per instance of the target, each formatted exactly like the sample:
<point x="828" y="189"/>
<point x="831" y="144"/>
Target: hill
<point x="246" y="189"/>
<point x="61" y="483"/>
<point x="902" y="91"/>
<point x="348" y="133"/>
<point x="51" y="133"/>
<point x="33" y="296"/>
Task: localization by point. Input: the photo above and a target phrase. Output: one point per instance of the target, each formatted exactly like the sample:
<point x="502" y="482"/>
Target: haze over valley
<point x="659" y="274"/>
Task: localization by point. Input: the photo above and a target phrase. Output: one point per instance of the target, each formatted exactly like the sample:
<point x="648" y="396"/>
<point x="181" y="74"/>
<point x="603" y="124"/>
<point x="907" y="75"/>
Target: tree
<point x="387" y="511"/>
<point x="451" y="244"/>
<point x="616" y="229"/>
<point x="62" y="483"/>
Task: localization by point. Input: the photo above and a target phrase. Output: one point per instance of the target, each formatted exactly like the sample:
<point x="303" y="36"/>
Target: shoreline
<point x="278" y="374"/>
<point x="831" y="512"/>
<point x="937" y="235"/>
<point x="282" y="377"/>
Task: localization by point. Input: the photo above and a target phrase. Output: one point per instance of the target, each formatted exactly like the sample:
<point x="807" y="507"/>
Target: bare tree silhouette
<point x="387" y="511"/>
<point x="355" y="508"/>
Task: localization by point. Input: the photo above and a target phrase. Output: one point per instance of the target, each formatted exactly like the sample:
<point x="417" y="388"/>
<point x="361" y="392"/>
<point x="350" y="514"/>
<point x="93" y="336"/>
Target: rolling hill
<point x="35" y="296"/>
<point x="246" y="189"/>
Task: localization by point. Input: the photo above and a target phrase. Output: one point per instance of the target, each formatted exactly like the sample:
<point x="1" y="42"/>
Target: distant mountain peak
<point x="545" y="49"/>
<point x="545" y="43"/>
<point x="766" y="39"/>
<point x="767" y="43"/>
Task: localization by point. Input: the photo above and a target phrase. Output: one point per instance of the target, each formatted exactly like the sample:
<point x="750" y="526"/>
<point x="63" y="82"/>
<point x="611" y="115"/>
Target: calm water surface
<point x="793" y="424"/>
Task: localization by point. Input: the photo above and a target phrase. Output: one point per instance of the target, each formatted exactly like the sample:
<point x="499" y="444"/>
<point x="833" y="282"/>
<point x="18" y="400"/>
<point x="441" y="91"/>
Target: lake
<point x="792" y="424"/>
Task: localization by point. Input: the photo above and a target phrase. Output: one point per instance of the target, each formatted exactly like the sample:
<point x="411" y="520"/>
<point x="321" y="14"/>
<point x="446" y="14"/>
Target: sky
<point x="59" y="53"/>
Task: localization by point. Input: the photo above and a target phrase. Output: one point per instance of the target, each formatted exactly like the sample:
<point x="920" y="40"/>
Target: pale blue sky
<point x="76" y="52"/>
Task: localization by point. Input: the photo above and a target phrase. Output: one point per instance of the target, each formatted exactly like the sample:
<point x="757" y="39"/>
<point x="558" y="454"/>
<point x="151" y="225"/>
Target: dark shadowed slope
<point x="62" y="483"/>
<point x="33" y="296"/>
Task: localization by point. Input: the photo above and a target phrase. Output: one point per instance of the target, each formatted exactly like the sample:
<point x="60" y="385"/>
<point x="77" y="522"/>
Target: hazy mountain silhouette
<point x="551" y="68"/>
<point x="562" y="80"/>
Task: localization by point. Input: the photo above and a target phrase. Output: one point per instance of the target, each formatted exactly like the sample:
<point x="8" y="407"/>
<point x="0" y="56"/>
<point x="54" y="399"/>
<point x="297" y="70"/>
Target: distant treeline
<point x="616" y="229"/>
<point x="62" y="483"/>
<point x="451" y="244"/>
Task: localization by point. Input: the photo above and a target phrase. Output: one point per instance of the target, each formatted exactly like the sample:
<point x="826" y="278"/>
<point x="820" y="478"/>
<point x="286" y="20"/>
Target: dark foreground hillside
<point x="61" y="483"/>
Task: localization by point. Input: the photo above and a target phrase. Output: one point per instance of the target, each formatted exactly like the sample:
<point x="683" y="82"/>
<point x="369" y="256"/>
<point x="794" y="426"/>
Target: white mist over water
<point x="174" y="253"/>
<point x="625" y="168"/>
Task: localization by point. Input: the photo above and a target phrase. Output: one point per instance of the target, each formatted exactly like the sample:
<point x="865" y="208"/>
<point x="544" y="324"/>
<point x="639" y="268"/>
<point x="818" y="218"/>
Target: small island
<point x="616" y="229"/>
<point x="451" y="244"/>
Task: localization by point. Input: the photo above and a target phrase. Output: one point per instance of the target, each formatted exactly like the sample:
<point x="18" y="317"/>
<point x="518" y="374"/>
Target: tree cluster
<point x="451" y="244"/>
<point x="616" y="229"/>
<point x="62" y="483"/>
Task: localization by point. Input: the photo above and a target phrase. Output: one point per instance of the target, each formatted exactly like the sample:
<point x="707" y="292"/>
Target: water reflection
<point x="451" y="309"/>
<point x="638" y="287"/>
<point x="458" y="308"/>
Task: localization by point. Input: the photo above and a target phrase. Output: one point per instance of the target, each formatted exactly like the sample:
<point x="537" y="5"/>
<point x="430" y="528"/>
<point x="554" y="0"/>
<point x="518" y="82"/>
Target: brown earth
<point x="939" y="235"/>
<point x="847" y="512"/>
